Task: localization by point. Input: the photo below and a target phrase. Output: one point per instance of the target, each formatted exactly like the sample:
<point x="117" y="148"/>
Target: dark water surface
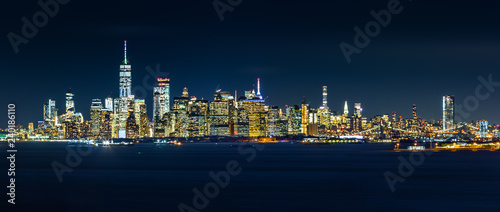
<point x="282" y="177"/>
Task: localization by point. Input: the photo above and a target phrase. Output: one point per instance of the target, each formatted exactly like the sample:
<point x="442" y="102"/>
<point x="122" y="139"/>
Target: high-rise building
<point x="273" y="118"/>
<point x="125" y="76"/>
<point x="141" y="117"/>
<point x="30" y="128"/>
<point x="358" y="110"/>
<point x="305" y="117"/>
<point x="108" y="104"/>
<point x="49" y="114"/>
<point x="161" y="98"/>
<point x="131" y="127"/>
<point x="197" y="125"/>
<point x="414" y="112"/>
<point x="121" y="107"/>
<point x="70" y="104"/>
<point x="325" y="97"/>
<point x="448" y="111"/>
<point x="107" y="122"/>
<point x="219" y="118"/>
<point x="346" y="109"/>
<point x="256" y="116"/>
<point x="294" y="115"/>
<point x="483" y="129"/>
<point x="95" y="118"/>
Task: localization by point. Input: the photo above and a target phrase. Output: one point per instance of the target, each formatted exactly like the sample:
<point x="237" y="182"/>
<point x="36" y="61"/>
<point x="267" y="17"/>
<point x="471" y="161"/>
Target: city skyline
<point x="248" y="115"/>
<point x="128" y="92"/>
<point x="202" y="53"/>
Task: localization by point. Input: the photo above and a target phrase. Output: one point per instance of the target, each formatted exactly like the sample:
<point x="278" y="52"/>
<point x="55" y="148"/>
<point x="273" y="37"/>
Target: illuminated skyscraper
<point x="358" y="110"/>
<point x="95" y="118"/>
<point x="30" y="127"/>
<point x="219" y="118"/>
<point x="346" y="109"/>
<point x="131" y="127"/>
<point x="108" y="105"/>
<point x="125" y="76"/>
<point x="70" y="104"/>
<point x="483" y="129"/>
<point x="106" y="123"/>
<point x="294" y="115"/>
<point x="414" y="112"/>
<point x="141" y="117"/>
<point x="304" y="117"/>
<point x="121" y="113"/>
<point x="49" y="114"/>
<point x="161" y="98"/>
<point x="197" y="125"/>
<point x="448" y="111"/>
<point x="325" y="97"/>
<point x="273" y="117"/>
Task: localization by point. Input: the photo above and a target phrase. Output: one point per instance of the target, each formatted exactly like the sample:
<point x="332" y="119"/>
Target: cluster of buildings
<point x="228" y="115"/>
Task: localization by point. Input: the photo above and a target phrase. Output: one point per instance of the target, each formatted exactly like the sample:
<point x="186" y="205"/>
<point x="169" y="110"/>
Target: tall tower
<point x="125" y="76"/>
<point x="325" y="95"/>
<point x="70" y="104"/>
<point x="258" y="88"/>
<point x="49" y="113"/>
<point x="304" y="117"/>
<point x="95" y="118"/>
<point x="161" y="98"/>
<point x="414" y="112"/>
<point x="346" y="109"/>
<point x="448" y="111"/>
<point x="358" y="110"/>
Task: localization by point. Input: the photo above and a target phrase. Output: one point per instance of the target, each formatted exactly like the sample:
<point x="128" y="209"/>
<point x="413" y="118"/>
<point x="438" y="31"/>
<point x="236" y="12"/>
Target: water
<point x="282" y="177"/>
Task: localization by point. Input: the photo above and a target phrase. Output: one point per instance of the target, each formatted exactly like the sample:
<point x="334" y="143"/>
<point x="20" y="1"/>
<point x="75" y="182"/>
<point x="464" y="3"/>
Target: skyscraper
<point x="108" y="105"/>
<point x="358" y="110"/>
<point x="125" y="76"/>
<point x="95" y="118"/>
<point x="304" y="117"/>
<point x="121" y="108"/>
<point x="141" y="117"/>
<point x="49" y="114"/>
<point x="325" y="96"/>
<point x="346" y="109"/>
<point x="70" y="104"/>
<point x="414" y="112"/>
<point x="219" y="117"/>
<point x="256" y="116"/>
<point x="161" y="98"/>
<point x="448" y="111"/>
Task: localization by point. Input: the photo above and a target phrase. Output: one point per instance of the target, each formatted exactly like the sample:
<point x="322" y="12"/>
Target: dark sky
<point x="428" y="50"/>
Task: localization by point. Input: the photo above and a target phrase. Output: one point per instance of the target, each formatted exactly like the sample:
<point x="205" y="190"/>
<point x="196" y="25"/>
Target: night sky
<point x="429" y="50"/>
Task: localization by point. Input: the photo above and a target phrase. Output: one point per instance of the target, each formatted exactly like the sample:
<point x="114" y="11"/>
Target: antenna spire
<point x="125" y="44"/>
<point x="258" y="88"/>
